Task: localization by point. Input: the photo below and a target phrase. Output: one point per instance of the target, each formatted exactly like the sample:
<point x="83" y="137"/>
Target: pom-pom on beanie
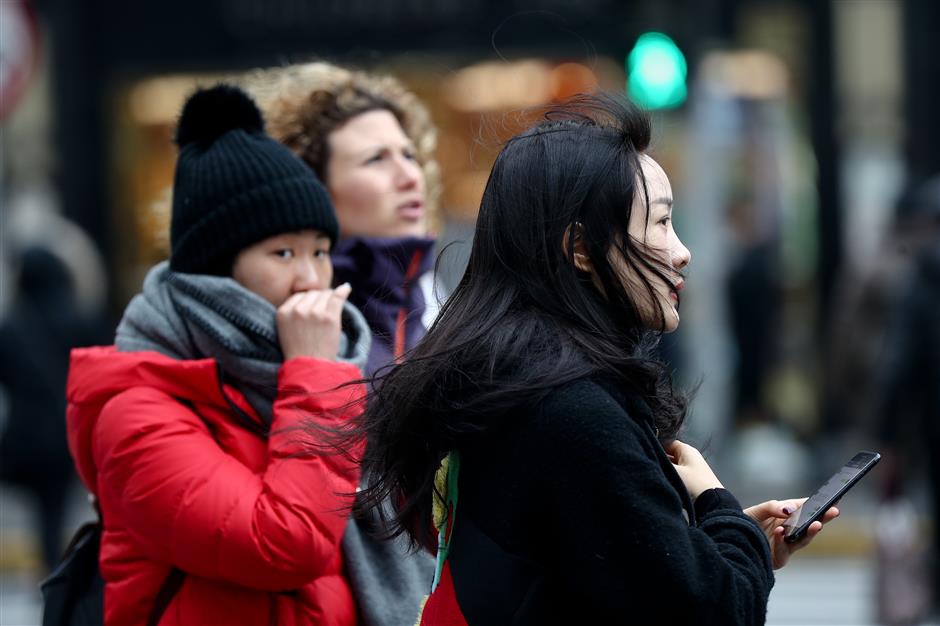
<point x="234" y="185"/>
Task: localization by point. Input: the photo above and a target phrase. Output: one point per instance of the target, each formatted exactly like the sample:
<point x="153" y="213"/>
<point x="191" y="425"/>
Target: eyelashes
<point x="410" y="155"/>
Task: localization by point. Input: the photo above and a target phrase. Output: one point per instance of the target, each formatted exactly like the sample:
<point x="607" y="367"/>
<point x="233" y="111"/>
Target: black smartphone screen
<point x="827" y="495"/>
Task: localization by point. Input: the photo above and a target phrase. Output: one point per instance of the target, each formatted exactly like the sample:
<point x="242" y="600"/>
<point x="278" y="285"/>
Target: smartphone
<point x="827" y="495"/>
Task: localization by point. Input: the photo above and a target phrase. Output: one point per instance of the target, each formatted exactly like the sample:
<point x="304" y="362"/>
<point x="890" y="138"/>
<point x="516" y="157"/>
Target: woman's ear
<point x="573" y="240"/>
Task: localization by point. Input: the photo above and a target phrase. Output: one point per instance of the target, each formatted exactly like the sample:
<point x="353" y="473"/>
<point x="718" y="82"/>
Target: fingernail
<point x="787" y="510"/>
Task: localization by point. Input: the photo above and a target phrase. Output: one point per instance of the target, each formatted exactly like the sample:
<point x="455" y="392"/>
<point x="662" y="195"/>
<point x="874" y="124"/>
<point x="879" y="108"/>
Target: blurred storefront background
<point x="789" y="128"/>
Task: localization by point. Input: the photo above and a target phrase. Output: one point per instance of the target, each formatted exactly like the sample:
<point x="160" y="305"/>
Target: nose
<point x="306" y="276"/>
<point x="681" y="256"/>
<point x="408" y="174"/>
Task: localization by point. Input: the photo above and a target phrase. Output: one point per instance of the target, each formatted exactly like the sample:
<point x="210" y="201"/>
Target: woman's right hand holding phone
<point x="771" y="515"/>
<point x="694" y="471"/>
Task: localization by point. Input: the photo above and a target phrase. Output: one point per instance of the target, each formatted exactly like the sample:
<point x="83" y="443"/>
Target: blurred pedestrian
<point x="187" y="431"/>
<point x="42" y="326"/>
<point x="371" y="142"/>
<point x="867" y="297"/>
<point x="577" y="502"/>
<point x="753" y="297"/>
<point x="907" y="394"/>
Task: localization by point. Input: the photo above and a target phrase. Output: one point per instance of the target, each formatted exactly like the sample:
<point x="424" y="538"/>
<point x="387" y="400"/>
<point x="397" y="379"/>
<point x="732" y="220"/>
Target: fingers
<point x="830" y="515"/>
<point x="676" y="447"/>
<point x="302" y="303"/>
<point x="776" y="508"/>
<point x="782" y="551"/>
<point x="760" y="512"/>
<point x="312" y="302"/>
<point x="773" y="509"/>
<point x="291" y="303"/>
<point x="812" y="531"/>
<point x="326" y="304"/>
<point x="692" y="468"/>
<point x="787" y="507"/>
<point x="319" y="302"/>
<point x="309" y="322"/>
<point x="672" y="451"/>
<point x="338" y="296"/>
<point x="678" y="451"/>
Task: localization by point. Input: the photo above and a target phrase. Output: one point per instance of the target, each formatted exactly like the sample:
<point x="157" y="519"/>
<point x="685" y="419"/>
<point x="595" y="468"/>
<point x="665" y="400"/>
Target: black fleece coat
<point x="573" y="514"/>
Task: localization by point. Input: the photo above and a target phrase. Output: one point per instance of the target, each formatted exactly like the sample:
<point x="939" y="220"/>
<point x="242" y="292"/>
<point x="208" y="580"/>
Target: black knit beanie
<point x="235" y="185"/>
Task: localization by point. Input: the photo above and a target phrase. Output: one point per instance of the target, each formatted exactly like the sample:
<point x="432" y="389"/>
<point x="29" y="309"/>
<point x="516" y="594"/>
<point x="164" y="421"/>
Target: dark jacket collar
<point x="639" y="410"/>
<point x="631" y="401"/>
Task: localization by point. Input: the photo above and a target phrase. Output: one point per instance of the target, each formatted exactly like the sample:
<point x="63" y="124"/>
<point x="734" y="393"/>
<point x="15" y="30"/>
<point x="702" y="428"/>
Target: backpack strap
<point x="168" y="589"/>
<point x="171" y="585"/>
<point x="174" y="580"/>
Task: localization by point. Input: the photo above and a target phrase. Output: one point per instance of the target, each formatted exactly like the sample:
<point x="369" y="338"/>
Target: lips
<point x="674" y="293"/>
<point x="411" y="210"/>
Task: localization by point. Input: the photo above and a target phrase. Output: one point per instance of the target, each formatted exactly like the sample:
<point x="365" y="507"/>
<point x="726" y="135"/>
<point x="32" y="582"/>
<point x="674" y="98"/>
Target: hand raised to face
<point x="308" y="323"/>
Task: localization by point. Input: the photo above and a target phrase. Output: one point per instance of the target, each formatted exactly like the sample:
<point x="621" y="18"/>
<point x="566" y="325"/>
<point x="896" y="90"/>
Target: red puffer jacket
<point x="255" y="524"/>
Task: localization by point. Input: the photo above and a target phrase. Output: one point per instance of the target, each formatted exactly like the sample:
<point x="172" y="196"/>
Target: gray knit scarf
<point x="194" y="316"/>
<point x="191" y="316"/>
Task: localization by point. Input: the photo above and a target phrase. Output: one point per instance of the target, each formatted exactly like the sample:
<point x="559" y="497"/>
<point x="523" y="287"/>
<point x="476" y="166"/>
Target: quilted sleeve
<point x="193" y="506"/>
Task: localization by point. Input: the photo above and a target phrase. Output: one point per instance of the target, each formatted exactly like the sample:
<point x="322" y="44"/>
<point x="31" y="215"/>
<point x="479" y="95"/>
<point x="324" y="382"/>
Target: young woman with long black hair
<point x="557" y="426"/>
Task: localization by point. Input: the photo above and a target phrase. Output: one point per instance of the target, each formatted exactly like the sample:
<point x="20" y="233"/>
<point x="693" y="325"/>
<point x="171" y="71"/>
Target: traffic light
<point x="656" y="72"/>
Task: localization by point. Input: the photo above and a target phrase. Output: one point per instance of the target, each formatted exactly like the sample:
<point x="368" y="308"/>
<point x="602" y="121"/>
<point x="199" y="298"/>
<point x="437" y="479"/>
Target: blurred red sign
<point x="19" y="49"/>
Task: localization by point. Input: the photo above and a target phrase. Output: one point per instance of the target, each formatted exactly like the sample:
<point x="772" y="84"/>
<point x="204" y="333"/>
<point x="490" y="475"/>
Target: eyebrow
<point x="664" y="200"/>
<point x="378" y="147"/>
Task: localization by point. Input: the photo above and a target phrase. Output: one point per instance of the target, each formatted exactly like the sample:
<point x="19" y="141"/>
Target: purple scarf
<point x="384" y="276"/>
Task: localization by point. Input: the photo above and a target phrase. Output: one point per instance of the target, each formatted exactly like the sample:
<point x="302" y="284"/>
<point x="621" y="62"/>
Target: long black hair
<point x="524" y="319"/>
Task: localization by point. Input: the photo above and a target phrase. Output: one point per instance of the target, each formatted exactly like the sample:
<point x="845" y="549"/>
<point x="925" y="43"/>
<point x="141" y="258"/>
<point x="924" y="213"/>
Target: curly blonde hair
<point x="304" y="103"/>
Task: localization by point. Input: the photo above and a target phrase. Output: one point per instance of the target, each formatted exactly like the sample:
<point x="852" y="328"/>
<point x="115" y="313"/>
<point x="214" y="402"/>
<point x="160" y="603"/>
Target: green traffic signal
<point x="656" y="72"/>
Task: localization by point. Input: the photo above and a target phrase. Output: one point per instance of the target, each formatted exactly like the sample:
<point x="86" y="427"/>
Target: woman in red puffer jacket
<point x="193" y="431"/>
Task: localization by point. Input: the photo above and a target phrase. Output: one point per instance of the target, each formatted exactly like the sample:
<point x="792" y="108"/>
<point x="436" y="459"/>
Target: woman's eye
<point x="284" y="253"/>
<point x="410" y="155"/>
<point x="321" y="254"/>
<point x="665" y="220"/>
<point x="375" y="158"/>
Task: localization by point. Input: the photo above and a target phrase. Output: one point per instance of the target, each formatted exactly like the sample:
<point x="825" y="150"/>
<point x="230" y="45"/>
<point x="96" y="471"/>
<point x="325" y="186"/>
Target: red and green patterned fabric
<point x="441" y="607"/>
